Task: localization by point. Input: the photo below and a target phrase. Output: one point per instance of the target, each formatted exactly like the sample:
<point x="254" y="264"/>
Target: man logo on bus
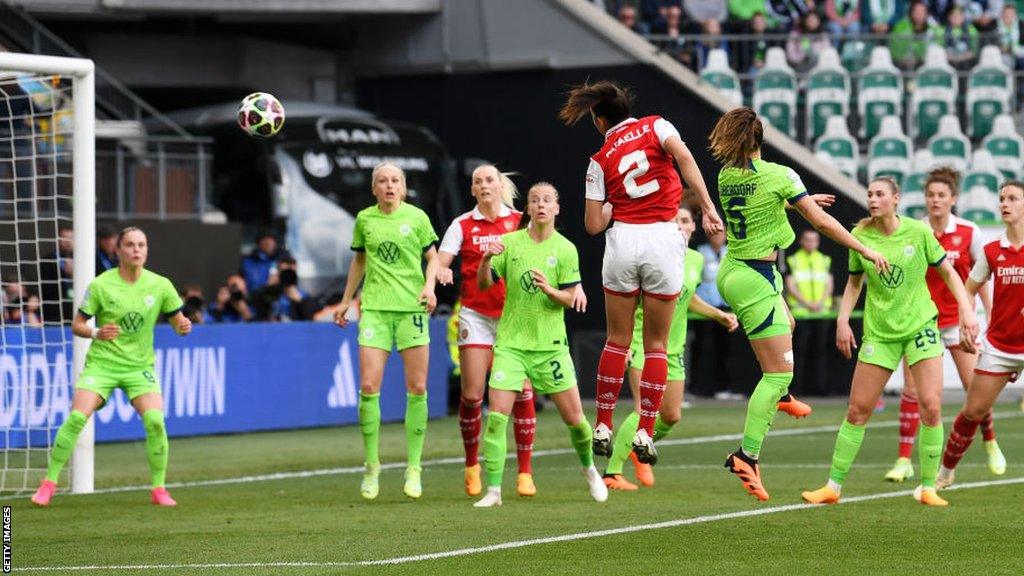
<point x="527" y="284"/>
<point x="131" y="322"/>
<point x="388" y="252"/>
<point x="893" y="278"/>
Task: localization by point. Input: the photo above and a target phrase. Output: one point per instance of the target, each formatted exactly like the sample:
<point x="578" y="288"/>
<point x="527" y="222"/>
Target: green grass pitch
<point x="318" y="524"/>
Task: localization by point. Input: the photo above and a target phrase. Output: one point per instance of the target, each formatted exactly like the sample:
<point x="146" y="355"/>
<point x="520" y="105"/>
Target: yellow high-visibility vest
<point x="811" y="272"/>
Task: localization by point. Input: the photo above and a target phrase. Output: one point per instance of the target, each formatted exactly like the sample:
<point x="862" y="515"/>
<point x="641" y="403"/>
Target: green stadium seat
<point x="979" y="196"/>
<point x="912" y="199"/>
<point x="934" y="95"/>
<point x="879" y="92"/>
<point x="718" y="74"/>
<point x="989" y="92"/>
<point x="775" y="92"/>
<point x="840" y="146"/>
<point x="949" y="146"/>
<point x="889" y="151"/>
<point x="1006" y="147"/>
<point x="828" y="92"/>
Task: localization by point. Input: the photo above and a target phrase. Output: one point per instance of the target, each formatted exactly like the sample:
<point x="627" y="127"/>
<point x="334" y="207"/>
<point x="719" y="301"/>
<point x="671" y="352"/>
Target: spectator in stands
<point x="711" y="32"/>
<point x="672" y="29"/>
<point x="628" y="17"/>
<point x="55" y="275"/>
<point x="912" y="34"/>
<point x="258" y="265"/>
<point x="1011" y="30"/>
<point x="985" y="14"/>
<point x="194" y="307"/>
<point x="700" y="11"/>
<point x="806" y="41"/>
<point x="788" y="13"/>
<point x="106" y="249"/>
<point x="32" y="313"/>
<point x="881" y="15"/>
<point x="750" y="54"/>
<point x="843" y="18"/>
<point x="231" y="304"/>
<point x="742" y="12"/>
<point x="939" y="9"/>
<point x="960" y="39"/>
<point x="281" y="300"/>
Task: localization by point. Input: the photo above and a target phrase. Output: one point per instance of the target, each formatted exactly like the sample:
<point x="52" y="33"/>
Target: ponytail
<point x="736" y="137"/>
<point x="605" y="99"/>
<point x="509" y="192"/>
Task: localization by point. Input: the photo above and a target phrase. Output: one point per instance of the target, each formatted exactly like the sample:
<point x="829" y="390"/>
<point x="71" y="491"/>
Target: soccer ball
<point x="260" y="115"/>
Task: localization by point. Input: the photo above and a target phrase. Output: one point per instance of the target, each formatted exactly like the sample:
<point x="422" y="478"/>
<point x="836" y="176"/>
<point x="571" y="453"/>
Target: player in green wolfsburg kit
<point x="754" y="194"/>
<point x="126" y="302"/>
<point x="899" y="322"/>
<point x="391" y="238"/>
<point x="541" y="270"/>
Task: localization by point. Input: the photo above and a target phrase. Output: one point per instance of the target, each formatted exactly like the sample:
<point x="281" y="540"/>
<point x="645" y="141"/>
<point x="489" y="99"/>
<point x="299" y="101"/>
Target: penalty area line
<point x="517" y="543"/>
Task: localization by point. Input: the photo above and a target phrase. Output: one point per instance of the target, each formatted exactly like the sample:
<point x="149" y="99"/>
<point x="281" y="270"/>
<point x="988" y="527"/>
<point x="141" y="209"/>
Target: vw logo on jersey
<point x="149" y="300"/>
<point x="552" y="261"/>
<point x="527" y="284"/>
<point x="893" y="278"/>
<point x="404" y="229"/>
<point x="908" y="250"/>
<point x="131" y="322"/>
<point x="388" y="252"/>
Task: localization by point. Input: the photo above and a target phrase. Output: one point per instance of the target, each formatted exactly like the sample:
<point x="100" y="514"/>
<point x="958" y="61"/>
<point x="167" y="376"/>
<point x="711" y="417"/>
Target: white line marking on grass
<point x="457" y="460"/>
<point x="518" y="543"/>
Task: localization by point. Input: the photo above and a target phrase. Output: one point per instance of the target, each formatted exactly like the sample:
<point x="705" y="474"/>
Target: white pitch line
<point x="456" y="460"/>
<point x="518" y="543"/>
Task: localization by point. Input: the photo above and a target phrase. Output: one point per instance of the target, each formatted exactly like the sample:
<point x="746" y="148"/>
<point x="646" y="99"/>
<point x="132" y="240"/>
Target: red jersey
<point x="468" y="237"/>
<point x="1006" y="266"/>
<point x="963" y="244"/>
<point x="635" y="174"/>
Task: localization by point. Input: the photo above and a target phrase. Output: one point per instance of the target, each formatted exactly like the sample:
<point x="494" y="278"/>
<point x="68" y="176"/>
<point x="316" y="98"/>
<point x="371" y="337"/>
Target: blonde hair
<point x="524" y="222"/>
<point x="386" y="164"/>
<point x="893" y="185"/>
<point x="509" y="191"/>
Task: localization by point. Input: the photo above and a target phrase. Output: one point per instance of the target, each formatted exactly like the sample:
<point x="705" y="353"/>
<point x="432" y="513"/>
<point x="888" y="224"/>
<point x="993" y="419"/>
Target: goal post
<point x="83" y="200"/>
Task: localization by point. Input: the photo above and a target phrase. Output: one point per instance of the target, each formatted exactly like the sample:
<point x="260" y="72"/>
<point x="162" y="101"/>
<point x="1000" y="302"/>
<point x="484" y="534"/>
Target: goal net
<point x="47" y="258"/>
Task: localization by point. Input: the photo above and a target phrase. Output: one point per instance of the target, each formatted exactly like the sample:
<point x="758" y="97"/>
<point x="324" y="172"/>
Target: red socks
<point x="652" y="388"/>
<point x="959" y="440"/>
<point x="910" y="421"/>
<point x="988" y="430"/>
<point x="469" y="423"/>
<point x="610" y="371"/>
<point x="524" y="423"/>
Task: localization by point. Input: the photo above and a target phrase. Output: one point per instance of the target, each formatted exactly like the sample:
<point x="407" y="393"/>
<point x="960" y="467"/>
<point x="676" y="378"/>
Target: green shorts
<point x="753" y="289"/>
<point x="386" y="330"/>
<point x="925" y="343"/>
<point x="676" y="370"/>
<point x="103" y="381"/>
<point x="550" y="371"/>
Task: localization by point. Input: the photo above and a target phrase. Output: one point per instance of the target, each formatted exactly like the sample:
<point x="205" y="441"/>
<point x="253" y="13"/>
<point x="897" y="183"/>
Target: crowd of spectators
<point x="745" y="29"/>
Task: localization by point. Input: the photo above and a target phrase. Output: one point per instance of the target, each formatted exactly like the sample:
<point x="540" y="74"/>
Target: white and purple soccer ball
<point x="261" y="115"/>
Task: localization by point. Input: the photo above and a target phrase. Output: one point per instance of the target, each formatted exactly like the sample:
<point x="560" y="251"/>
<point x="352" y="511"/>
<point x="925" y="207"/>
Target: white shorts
<point x="475" y="329"/>
<point x="645" y="258"/>
<point x="995" y="362"/>
<point x="950" y="336"/>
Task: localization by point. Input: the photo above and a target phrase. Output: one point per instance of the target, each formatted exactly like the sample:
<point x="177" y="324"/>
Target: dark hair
<point x="944" y="175"/>
<point x="736" y="137"/>
<point x="1014" y="183"/>
<point x="605" y="99"/>
<point x="104" y="232"/>
<point x="287" y="259"/>
<point x="121" y="234"/>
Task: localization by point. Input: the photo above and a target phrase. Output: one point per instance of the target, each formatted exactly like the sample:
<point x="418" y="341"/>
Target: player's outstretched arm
<point x="845" y="341"/>
<point x="695" y="180"/>
<point x="726" y="319"/>
<point x="823" y="222"/>
<point x="181" y="324"/>
<point x="968" y="321"/>
<point x="356" y="271"/>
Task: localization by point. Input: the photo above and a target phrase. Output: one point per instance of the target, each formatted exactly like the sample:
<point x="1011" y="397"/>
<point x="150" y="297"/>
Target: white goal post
<point x="83" y="177"/>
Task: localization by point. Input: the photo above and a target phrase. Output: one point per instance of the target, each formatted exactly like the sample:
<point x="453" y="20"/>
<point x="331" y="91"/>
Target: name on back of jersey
<point x="635" y="134"/>
<point x="746" y="189"/>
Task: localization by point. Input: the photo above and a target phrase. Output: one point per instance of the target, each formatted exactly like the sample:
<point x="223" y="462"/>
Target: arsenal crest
<point x="508" y="225"/>
<point x="957" y="240"/>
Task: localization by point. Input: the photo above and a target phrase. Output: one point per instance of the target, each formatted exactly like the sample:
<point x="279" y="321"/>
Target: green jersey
<point x="530" y="320"/>
<point x="898" y="302"/>
<point x="135" y="308"/>
<point x="693" y="269"/>
<point x="394" y="245"/>
<point x="754" y="200"/>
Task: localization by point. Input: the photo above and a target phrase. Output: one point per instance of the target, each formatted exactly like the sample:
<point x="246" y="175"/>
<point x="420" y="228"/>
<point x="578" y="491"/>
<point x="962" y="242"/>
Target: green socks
<point x="495" y="448"/>
<point x="369" y="424"/>
<point x="623" y="444"/>
<point x="762" y="408"/>
<point x="582" y="441"/>
<point x="156" y="445"/>
<point x="929" y="449"/>
<point x="415" y="426"/>
<point x="847" y="445"/>
<point x="64" y="443"/>
<point x="661" y="429"/>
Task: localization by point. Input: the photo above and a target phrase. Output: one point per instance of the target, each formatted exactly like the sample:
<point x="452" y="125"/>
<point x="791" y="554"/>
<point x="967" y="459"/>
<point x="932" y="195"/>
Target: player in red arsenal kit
<point x="632" y="181"/>
<point x="468" y="238"/>
<point x="1002" y="347"/>
<point x="963" y="244"/>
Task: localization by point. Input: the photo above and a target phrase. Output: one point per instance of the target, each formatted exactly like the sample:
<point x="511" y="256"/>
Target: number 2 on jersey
<point x="737" y="221"/>
<point x="638" y="159"/>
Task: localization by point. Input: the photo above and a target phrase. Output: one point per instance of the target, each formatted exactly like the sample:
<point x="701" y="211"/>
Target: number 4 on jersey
<point x="638" y="159"/>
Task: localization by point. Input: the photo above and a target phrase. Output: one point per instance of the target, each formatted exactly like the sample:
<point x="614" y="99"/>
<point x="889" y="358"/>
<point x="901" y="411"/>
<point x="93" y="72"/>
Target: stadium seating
<point x="979" y="198"/>
<point x="775" y="92"/>
<point x="889" y="151"/>
<point x="879" y="92"/>
<point x="912" y="199"/>
<point x="840" y="145"/>
<point x="718" y="74"/>
<point x="1006" y="147"/>
<point x="828" y="92"/>
<point x="989" y="92"/>
<point x="983" y="172"/>
<point x="949" y="146"/>
<point x="935" y="94"/>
